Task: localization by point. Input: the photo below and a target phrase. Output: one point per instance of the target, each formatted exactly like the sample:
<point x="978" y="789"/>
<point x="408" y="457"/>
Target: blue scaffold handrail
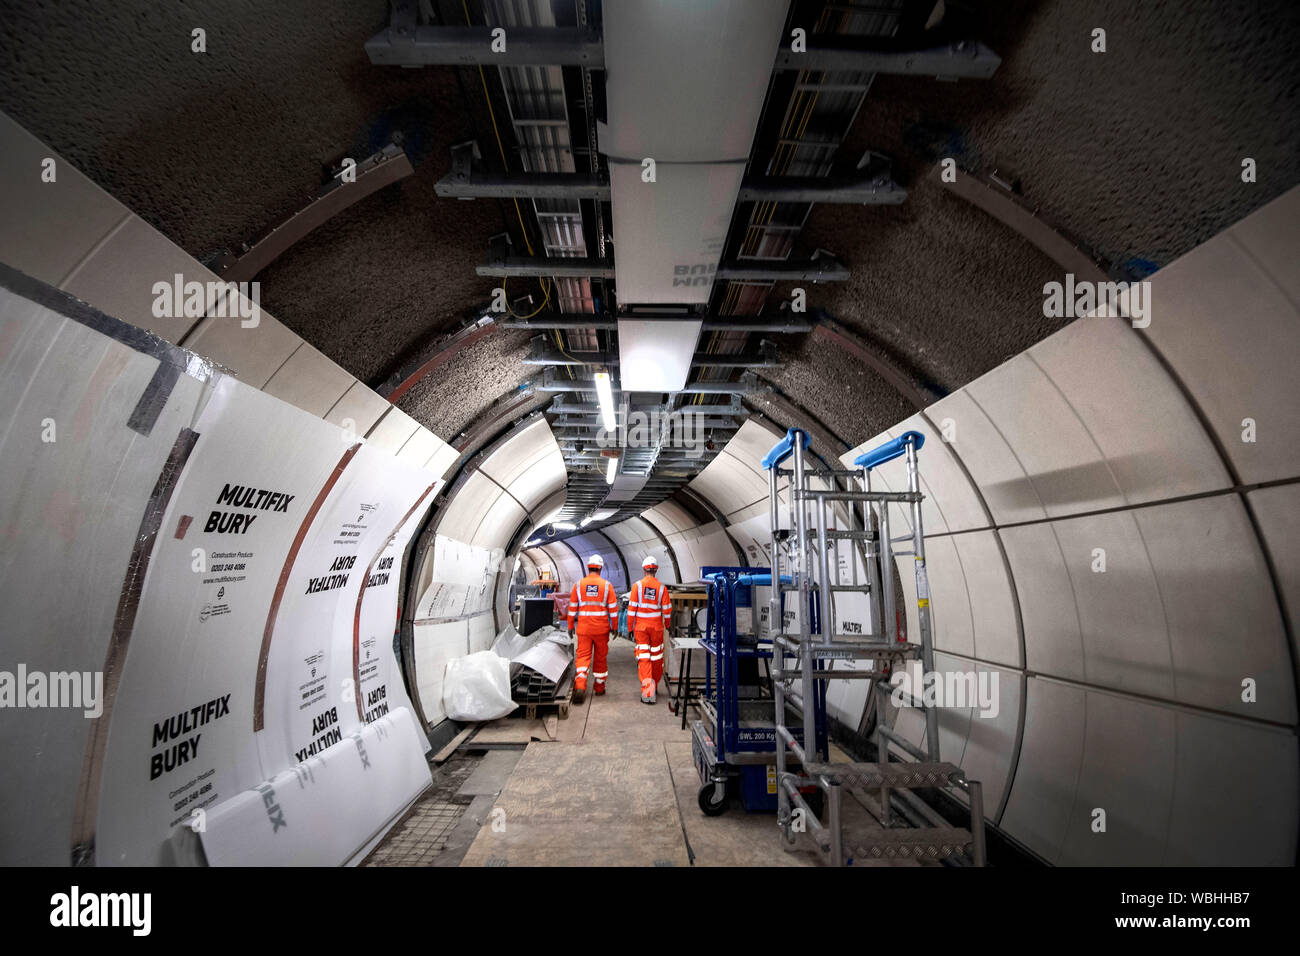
<point x="785" y="447"/>
<point x="889" y="450"/>
<point x="762" y="580"/>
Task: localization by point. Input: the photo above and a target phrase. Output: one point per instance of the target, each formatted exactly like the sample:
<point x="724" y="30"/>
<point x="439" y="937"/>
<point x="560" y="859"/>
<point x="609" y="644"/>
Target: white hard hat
<point x="650" y="562"/>
<point x="595" y="561"/>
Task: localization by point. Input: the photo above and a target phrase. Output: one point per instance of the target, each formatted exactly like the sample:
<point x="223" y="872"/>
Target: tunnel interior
<point x="325" y="332"/>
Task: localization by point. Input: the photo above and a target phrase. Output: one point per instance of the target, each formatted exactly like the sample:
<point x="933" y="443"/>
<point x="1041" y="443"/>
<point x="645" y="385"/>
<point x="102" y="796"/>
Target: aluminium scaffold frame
<point x="811" y="650"/>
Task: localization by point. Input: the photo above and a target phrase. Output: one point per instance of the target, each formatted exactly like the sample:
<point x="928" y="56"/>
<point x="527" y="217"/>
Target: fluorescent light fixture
<point x="609" y="472"/>
<point x="586" y="521"/>
<point x="600" y="514"/>
<point x="605" y="395"/>
<point x="565" y="526"/>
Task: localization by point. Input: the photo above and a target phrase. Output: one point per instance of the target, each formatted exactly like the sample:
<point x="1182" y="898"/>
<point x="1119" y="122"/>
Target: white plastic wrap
<point x="477" y="687"/>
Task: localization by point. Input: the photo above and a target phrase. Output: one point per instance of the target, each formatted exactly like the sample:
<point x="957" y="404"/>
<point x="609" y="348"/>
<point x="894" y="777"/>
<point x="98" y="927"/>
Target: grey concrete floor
<point x="614" y="784"/>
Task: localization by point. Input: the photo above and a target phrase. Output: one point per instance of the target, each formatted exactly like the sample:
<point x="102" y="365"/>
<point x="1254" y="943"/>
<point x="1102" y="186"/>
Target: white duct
<point x="685" y="84"/>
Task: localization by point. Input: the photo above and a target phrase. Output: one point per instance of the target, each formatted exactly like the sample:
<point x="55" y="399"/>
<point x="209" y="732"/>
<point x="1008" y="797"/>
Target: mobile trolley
<point x="734" y="741"/>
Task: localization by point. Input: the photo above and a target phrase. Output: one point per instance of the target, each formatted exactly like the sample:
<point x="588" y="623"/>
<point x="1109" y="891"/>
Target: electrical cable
<point x="501" y="149"/>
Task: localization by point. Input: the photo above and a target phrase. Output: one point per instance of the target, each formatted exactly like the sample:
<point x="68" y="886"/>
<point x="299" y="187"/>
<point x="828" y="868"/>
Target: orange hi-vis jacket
<point x="649" y="608"/>
<point x="594" y="606"/>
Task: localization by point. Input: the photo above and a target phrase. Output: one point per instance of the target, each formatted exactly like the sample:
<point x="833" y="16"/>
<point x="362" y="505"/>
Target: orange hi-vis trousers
<point x="649" y="612"/>
<point x="593" y="654"/>
<point x="593" y="613"/>
<point x="649" y="659"/>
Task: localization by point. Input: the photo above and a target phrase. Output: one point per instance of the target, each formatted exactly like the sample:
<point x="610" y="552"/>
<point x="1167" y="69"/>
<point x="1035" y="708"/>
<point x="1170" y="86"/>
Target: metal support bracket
<point x="822" y="267"/>
<point x="964" y="59"/>
<point x="872" y="190"/>
<point x="402" y="44"/>
<point x="468" y="180"/>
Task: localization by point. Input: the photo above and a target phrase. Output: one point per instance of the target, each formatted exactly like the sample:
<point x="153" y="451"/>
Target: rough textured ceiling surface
<point x="212" y="148"/>
<point x="1136" y="152"/>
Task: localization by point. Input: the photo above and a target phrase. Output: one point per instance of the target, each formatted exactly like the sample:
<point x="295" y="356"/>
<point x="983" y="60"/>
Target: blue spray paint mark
<point x="1138" y="268"/>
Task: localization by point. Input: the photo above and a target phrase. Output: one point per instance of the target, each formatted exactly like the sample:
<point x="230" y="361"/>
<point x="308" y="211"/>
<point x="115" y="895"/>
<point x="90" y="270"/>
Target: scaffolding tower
<point x="806" y="645"/>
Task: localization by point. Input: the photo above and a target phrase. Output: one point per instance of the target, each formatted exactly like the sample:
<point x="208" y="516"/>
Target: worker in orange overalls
<point x="593" y="613"/>
<point x="648" y="613"/>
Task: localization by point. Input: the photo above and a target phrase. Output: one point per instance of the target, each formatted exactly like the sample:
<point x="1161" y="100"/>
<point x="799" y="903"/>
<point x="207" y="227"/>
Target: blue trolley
<point x="734" y="741"/>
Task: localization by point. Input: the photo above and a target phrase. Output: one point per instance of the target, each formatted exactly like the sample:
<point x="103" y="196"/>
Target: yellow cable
<point x="500" y="146"/>
<point x="545" y="300"/>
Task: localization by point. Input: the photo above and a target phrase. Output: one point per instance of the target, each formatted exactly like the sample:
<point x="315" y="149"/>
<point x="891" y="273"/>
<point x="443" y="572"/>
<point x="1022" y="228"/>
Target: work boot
<point x="647" y="700"/>
<point x="600" y="690"/>
<point x="579" y="694"/>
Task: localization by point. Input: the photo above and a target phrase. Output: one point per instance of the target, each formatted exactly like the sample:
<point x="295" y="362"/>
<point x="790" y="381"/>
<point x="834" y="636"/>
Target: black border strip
<point x="132" y="336"/>
<point x="86" y="812"/>
<point x="172" y="359"/>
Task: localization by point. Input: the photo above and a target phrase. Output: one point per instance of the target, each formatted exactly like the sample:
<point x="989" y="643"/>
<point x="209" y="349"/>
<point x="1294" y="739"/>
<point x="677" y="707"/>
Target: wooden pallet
<point x="532" y="709"/>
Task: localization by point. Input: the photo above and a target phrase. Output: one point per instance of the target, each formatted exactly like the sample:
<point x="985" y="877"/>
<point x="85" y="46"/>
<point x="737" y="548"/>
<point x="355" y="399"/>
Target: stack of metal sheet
<point x="541" y="664"/>
<point x="527" y="686"/>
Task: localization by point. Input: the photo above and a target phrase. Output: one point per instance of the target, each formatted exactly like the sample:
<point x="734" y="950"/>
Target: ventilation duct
<point x="685" y="85"/>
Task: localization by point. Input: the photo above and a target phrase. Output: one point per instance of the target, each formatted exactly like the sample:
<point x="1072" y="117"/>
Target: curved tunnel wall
<point x="623" y="546"/>
<point x="637" y="539"/>
<point x="225" y="579"/>
<point x="583" y="545"/>
<point x="736" y="486"/>
<point x="1119" y="690"/>
<point x="260" y="672"/>
<point x="464" y="578"/>
<point x="1122" y="688"/>
<point x="74" y="236"/>
<point x="568" y="565"/>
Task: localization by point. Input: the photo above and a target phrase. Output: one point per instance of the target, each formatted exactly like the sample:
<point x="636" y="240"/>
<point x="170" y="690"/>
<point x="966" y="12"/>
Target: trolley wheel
<point x="709" y="803"/>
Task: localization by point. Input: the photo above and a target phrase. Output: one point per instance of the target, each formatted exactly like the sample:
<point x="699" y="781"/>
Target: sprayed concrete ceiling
<point x="1135" y="152"/>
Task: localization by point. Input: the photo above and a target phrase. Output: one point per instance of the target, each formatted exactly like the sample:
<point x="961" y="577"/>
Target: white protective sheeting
<point x="367" y="779"/>
<point x="253" y="665"/>
<point x="227" y="565"/>
<point x="477" y="687"/>
<point x="72" y="508"/>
